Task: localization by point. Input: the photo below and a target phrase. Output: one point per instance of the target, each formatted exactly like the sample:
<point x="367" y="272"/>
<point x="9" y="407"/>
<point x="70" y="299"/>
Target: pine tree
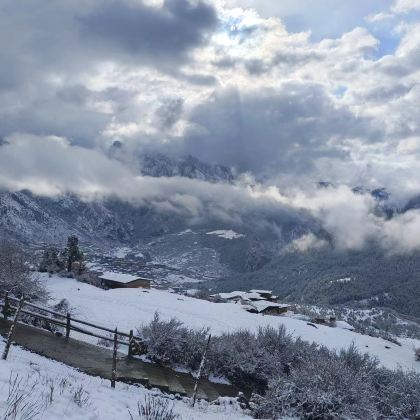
<point x="73" y="252"/>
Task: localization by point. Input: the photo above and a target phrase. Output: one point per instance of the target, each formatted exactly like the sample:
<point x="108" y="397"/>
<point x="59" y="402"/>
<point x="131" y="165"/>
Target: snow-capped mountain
<point x="158" y="165"/>
<point x="247" y="253"/>
<point x="29" y="218"/>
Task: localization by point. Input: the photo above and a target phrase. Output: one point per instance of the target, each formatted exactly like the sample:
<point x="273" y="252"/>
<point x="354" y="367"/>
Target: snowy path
<point x="97" y="361"/>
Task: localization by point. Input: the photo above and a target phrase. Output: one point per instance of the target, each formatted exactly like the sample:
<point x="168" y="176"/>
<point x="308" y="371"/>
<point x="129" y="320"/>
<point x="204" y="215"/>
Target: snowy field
<point x="130" y="308"/>
<point x="56" y="391"/>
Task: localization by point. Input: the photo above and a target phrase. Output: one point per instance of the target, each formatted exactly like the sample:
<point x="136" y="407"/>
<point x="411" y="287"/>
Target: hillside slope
<point x="129" y="308"/>
<point x="387" y="280"/>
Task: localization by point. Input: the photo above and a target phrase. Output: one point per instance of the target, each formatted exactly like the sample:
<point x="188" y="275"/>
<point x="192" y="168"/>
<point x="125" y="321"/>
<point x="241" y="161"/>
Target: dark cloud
<point x="60" y="114"/>
<point x="96" y="71"/>
<point x="48" y="50"/>
<point x="274" y="130"/>
<point x="148" y="33"/>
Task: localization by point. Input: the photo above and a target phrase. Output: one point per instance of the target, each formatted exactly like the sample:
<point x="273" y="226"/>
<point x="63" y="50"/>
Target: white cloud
<point x="241" y="88"/>
<point x="306" y="243"/>
<point x="406" y="6"/>
<point x="51" y="166"/>
<point x="379" y="17"/>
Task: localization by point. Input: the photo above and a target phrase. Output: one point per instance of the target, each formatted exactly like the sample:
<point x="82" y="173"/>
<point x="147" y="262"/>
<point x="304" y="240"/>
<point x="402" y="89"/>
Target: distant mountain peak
<point x="159" y="165"/>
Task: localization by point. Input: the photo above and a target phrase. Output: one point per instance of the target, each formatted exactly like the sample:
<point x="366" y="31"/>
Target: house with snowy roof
<point x="238" y="296"/>
<point x="266" y="307"/>
<point x="112" y="280"/>
<point x="252" y="295"/>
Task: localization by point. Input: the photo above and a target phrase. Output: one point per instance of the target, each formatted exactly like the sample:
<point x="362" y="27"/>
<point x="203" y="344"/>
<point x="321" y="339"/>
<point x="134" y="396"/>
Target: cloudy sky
<point x="288" y="92"/>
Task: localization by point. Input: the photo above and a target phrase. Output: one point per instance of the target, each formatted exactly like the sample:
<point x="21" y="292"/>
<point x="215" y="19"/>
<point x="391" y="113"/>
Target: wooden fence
<point x="11" y="305"/>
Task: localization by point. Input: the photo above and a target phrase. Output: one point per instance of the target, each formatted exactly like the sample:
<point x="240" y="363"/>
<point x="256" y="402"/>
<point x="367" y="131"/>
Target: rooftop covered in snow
<point x="261" y="292"/>
<point x="263" y="305"/>
<point x="240" y="295"/>
<point x="118" y="277"/>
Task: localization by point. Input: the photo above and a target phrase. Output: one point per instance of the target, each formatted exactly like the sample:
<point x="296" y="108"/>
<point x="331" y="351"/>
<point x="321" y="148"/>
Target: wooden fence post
<point x="6" y="306"/>
<point x="12" y="329"/>
<point x="114" y="360"/>
<point x="200" y="369"/>
<point x="67" y="326"/>
<point x="130" y="345"/>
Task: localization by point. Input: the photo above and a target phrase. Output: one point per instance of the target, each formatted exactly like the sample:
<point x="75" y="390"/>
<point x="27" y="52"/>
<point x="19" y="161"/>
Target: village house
<point x="236" y="296"/>
<point x="111" y="280"/>
<point x="267" y="308"/>
<point x="239" y="296"/>
<point x="254" y="301"/>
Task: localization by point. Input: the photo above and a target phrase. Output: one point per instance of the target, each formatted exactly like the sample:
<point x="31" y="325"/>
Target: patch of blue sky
<point x="327" y="18"/>
<point x="340" y="91"/>
<point x="388" y="44"/>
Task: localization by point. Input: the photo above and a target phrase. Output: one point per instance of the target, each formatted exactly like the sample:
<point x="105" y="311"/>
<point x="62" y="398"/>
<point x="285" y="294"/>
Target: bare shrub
<point x="81" y="397"/>
<point x="15" y="275"/>
<point x="152" y="408"/>
<point x="21" y="404"/>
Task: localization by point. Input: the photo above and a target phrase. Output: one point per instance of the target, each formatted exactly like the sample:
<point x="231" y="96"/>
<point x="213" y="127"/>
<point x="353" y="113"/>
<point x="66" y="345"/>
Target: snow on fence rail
<point x="67" y="322"/>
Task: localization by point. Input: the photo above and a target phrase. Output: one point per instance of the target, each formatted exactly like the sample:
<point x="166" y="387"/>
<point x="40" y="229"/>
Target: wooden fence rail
<point x="68" y="322"/>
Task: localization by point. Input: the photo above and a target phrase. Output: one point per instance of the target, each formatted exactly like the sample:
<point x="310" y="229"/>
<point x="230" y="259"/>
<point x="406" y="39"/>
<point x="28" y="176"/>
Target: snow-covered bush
<point x="359" y="362"/>
<point x="397" y="394"/>
<point x="52" y="261"/>
<point x="324" y="387"/>
<point x="171" y="343"/>
<point x="237" y="357"/>
<point x="290" y="377"/>
<point x="15" y="275"/>
<point x="248" y="360"/>
<point x="242" y="358"/>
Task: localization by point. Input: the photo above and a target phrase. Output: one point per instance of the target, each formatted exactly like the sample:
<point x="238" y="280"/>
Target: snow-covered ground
<point x="130" y="308"/>
<point x="343" y="280"/>
<point x="56" y="391"/>
<point x="226" y="234"/>
<point x="121" y="252"/>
